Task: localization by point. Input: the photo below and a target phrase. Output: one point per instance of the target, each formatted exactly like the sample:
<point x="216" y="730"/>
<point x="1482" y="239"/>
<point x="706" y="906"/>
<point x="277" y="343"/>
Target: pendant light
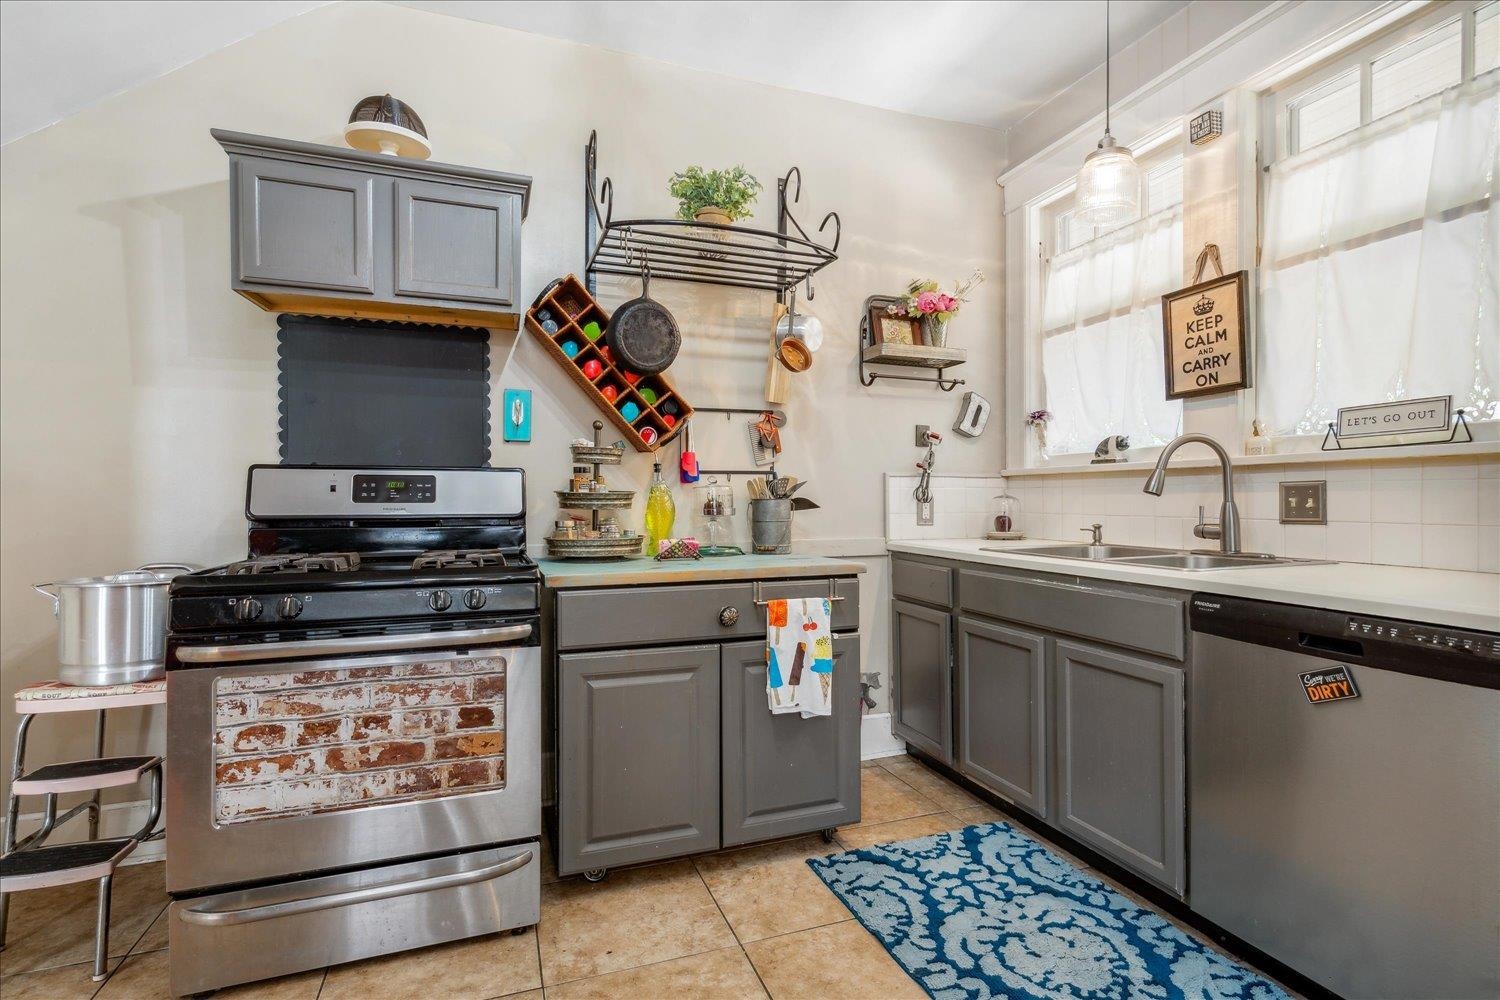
<point x="1109" y="185"/>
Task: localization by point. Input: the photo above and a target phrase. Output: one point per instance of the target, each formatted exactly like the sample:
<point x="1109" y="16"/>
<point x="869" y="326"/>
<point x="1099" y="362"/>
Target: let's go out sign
<point x="1205" y="336"/>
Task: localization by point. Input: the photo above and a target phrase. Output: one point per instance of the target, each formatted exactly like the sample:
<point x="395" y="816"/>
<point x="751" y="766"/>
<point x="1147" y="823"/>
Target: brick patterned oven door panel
<point x="295" y="742"/>
<point x="292" y="767"/>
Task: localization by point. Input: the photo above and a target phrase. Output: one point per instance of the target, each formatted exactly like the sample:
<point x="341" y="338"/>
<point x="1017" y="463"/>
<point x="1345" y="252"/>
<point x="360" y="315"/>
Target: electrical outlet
<point x="1304" y="502"/>
<point x="922" y="430"/>
<point x="924" y="514"/>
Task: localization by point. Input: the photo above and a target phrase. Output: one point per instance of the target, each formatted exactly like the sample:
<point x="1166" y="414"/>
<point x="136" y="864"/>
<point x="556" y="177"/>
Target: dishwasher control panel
<point x="1420" y="636"/>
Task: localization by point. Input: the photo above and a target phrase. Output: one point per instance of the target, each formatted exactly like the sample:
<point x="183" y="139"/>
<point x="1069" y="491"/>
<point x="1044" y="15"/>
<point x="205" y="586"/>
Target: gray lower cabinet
<point x="638" y="764"/>
<point x="1119" y="762"/>
<point x="784" y="774"/>
<point x="1002" y="711"/>
<point x="922" y="678"/>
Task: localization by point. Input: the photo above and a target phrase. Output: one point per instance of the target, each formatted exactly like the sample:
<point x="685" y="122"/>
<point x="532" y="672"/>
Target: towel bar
<point x="832" y="593"/>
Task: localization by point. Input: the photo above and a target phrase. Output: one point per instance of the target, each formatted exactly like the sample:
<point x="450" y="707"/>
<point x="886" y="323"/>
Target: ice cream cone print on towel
<point x="798" y="633"/>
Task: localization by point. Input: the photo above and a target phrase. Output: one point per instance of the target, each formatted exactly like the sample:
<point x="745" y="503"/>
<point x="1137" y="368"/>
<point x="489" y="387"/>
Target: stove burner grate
<point x="459" y="559"/>
<point x="296" y="562"/>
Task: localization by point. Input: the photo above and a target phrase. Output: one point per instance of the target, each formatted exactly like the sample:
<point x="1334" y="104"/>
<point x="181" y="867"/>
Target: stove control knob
<point x="247" y="609"/>
<point x="289" y="607"/>
<point x="440" y="600"/>
<point x="474" y="599"/>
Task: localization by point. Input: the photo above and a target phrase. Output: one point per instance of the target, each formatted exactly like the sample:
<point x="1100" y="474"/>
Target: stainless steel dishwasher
<point x="1344" y="783"/>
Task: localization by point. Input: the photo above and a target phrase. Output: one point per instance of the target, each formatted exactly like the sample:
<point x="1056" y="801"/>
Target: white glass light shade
<point x="1109" y="185"/>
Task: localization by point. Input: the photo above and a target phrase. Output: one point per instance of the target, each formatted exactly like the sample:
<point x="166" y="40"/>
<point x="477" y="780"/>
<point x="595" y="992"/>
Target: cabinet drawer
<point x="618" y="617"/>
<point x="917" y="581"/>
<point x="1148" y="622"/>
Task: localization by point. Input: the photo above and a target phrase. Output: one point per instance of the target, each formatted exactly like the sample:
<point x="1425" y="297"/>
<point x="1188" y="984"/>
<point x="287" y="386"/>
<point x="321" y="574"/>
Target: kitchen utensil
<point x="689" y="463"/>
<point x="642" y="333"/>
<point x="780" y="485"/>
<point x="777" y="376"/>
<point x="387" y="125"/>
<point x="112" y="629"/>
<point x="794" y="355"/>
<point x="800" y="326"/>
<point x="771" y="526"/>
<point x="797" y="484"/>
<point x="802" y="503"/>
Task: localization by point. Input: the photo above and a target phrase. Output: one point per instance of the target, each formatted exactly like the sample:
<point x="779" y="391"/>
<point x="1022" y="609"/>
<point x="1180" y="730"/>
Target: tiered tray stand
<point x="596" y="455"/>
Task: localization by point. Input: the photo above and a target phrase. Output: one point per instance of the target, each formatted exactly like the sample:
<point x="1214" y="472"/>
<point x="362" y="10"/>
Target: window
<point x="1097" y="348"/>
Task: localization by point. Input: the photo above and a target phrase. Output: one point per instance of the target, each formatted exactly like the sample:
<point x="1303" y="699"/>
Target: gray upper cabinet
<point x="638" y="764"/>
<point x="1002" y="711"/>
<point x="300" y="224"/>
<point x="922" y="678"/>
<point x="339" y="232"/>
<point x="784" y="774"/>
<point x="456" y="243"/>
<point x="1119" y="762"/>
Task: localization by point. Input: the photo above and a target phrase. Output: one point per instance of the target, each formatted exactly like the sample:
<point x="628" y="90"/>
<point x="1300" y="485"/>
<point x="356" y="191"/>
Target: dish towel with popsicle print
<point x="799" y="656"/>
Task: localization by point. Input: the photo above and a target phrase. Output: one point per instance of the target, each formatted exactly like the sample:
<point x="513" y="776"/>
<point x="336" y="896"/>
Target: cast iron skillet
<point x="642" y="334"/>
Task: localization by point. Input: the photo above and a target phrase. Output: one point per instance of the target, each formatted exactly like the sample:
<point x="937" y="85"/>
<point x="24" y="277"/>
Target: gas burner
<point x="459" y="559"/>
<point x="321" y="562"/>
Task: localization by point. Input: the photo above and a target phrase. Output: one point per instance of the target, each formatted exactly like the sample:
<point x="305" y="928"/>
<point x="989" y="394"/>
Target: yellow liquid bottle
<point x="661" y="511"/>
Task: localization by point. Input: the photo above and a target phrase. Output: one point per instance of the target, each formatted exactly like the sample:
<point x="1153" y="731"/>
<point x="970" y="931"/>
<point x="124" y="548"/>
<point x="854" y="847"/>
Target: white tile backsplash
<point x="1441" y="512"/>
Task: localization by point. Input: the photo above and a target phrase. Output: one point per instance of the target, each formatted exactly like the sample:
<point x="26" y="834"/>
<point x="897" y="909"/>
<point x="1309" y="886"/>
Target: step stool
<point x="29" y="863"/>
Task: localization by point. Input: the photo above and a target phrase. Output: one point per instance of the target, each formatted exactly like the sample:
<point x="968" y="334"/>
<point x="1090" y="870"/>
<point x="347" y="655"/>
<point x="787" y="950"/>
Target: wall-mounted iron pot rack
<point x="940" y="359"/>
<point x="706" y="253"/>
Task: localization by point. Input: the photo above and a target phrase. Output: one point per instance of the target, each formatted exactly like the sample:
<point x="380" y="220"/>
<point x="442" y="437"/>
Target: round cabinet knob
<point x="729" y="616"/>
<point x="440" y="600"/>
<point x="289" y="607"/>
<point x="474" y="599"/>
<point x="247" y="609"/>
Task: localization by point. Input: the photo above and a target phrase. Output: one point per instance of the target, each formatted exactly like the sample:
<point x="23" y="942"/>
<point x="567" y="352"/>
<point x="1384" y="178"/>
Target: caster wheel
<point x="828" y="835"/>
<point x="595" y="874"/>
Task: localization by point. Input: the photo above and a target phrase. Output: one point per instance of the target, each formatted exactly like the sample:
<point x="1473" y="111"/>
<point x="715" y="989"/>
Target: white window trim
<point x="1037" y="218"/>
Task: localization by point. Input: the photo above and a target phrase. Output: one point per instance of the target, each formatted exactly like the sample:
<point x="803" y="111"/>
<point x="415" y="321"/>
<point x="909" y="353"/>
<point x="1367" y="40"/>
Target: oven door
<point x="320" y="755"/>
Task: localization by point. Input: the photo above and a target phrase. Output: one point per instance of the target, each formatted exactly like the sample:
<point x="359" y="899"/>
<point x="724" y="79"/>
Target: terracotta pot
<point x="709" y="213"/>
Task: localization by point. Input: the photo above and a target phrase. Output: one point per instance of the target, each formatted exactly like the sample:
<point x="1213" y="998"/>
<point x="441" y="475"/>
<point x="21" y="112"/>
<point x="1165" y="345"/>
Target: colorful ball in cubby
<point x="610" y="393"/>
<point x="592" y="369"/>
<point x="549" y="326"/>
<point x="591" y="330"/>
<point x="570" y="348"/>
<point x="649" y="395"/>
<point x="631" y="378"/>
<point x="630" y="411"/>
<point x="669" y="420"/>
<point x="670" y="407"/>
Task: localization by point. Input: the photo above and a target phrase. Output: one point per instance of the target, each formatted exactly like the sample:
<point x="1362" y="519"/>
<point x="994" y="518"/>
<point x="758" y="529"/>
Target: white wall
<point x="136" y="387"/>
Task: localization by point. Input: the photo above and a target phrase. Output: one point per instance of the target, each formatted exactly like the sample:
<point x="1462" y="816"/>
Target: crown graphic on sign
<point x="1203" y="306"/>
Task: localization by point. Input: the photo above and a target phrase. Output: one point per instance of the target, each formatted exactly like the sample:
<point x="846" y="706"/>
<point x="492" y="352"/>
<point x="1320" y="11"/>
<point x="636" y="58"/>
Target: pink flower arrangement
<point x="925" y="298"/>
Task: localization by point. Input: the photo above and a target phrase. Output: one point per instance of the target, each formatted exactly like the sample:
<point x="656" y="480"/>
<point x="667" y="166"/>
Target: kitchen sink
<point x="1200" y="561"/>
<point x="1092" y="553"/>
<point x="1141" y="555"/>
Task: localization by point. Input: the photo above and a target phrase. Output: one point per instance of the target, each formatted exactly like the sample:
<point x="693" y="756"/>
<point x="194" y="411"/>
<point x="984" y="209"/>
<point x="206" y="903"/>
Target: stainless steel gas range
<point x="352" y="717"/>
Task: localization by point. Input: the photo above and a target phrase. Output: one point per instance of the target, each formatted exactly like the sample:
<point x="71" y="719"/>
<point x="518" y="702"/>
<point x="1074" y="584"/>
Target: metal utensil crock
<point x="112" y="629"/>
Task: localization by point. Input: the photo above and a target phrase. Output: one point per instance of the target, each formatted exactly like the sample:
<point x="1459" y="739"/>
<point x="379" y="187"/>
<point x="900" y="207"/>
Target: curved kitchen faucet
<point x="1227" y="531"/>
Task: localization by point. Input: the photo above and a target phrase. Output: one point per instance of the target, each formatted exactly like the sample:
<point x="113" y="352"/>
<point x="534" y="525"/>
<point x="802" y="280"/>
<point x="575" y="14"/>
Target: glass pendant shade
<point x="1109" y="185"/>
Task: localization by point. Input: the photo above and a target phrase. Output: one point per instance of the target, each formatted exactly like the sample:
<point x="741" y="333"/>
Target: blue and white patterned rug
<point x="987" y="912"/>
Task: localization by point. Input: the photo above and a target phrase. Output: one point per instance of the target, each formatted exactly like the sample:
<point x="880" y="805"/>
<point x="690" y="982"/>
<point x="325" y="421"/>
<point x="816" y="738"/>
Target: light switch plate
<point x="1304" y="502"/>
<point x="921" y="435"/>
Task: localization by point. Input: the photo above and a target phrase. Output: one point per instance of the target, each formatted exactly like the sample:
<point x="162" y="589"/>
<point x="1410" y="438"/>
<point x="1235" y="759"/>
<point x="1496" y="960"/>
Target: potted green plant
<point x="717" y="196"/>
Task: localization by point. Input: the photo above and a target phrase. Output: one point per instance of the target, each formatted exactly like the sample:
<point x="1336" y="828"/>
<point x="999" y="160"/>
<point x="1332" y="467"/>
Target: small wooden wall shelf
<point x="572" y="308"/>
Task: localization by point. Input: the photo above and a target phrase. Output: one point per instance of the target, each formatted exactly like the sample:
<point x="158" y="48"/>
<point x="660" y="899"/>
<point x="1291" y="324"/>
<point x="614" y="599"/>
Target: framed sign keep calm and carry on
<point x="1204" y="327"/>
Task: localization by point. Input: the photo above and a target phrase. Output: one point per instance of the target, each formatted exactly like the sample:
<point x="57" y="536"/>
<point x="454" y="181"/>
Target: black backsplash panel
<point x="362" y="392"/>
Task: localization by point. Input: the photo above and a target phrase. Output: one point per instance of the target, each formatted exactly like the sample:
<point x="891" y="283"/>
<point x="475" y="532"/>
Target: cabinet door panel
<point x="304" y="225"/>
<point x="1002" y="710"/>
<point x="638" y="746"/>
<point x="784" y="774"/>
<point x="1120" y="759"/>
<point x="455" y="242"/>
<point x="922" y="678"/>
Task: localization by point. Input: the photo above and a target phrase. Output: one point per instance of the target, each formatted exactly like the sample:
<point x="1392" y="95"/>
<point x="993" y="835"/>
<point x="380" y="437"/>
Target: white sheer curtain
<point x="1379" y="273"/>
<point x="1102" y="338"/>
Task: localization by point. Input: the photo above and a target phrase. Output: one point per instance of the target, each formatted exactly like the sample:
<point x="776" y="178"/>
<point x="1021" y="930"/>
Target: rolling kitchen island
<point x="661" y="740"/>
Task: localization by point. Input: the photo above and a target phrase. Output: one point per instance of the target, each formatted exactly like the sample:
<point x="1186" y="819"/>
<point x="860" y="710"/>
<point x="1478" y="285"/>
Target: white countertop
<point x="1435" y="596"/>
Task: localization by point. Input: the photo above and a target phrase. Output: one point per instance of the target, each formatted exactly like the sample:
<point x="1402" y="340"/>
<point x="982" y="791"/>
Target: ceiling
<point x="987" y="63"/>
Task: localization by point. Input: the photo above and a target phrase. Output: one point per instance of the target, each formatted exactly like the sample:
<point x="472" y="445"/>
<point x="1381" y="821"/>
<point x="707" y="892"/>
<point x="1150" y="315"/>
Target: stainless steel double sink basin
<point x="1140" y="555"/>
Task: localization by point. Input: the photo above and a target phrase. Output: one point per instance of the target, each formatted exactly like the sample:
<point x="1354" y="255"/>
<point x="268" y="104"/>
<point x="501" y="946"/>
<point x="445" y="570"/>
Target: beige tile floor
<point x="750" y="922"/>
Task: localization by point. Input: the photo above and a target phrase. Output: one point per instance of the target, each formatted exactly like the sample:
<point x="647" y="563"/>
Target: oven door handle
<point x="252" y="652"/>
<point x="351" y="897"/>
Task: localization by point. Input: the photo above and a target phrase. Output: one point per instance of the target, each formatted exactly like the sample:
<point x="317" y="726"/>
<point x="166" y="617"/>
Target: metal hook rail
<point x="761" y="602"/>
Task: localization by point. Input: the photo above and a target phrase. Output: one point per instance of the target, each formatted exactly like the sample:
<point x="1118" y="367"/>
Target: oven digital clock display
<point x="383" y="489"/>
